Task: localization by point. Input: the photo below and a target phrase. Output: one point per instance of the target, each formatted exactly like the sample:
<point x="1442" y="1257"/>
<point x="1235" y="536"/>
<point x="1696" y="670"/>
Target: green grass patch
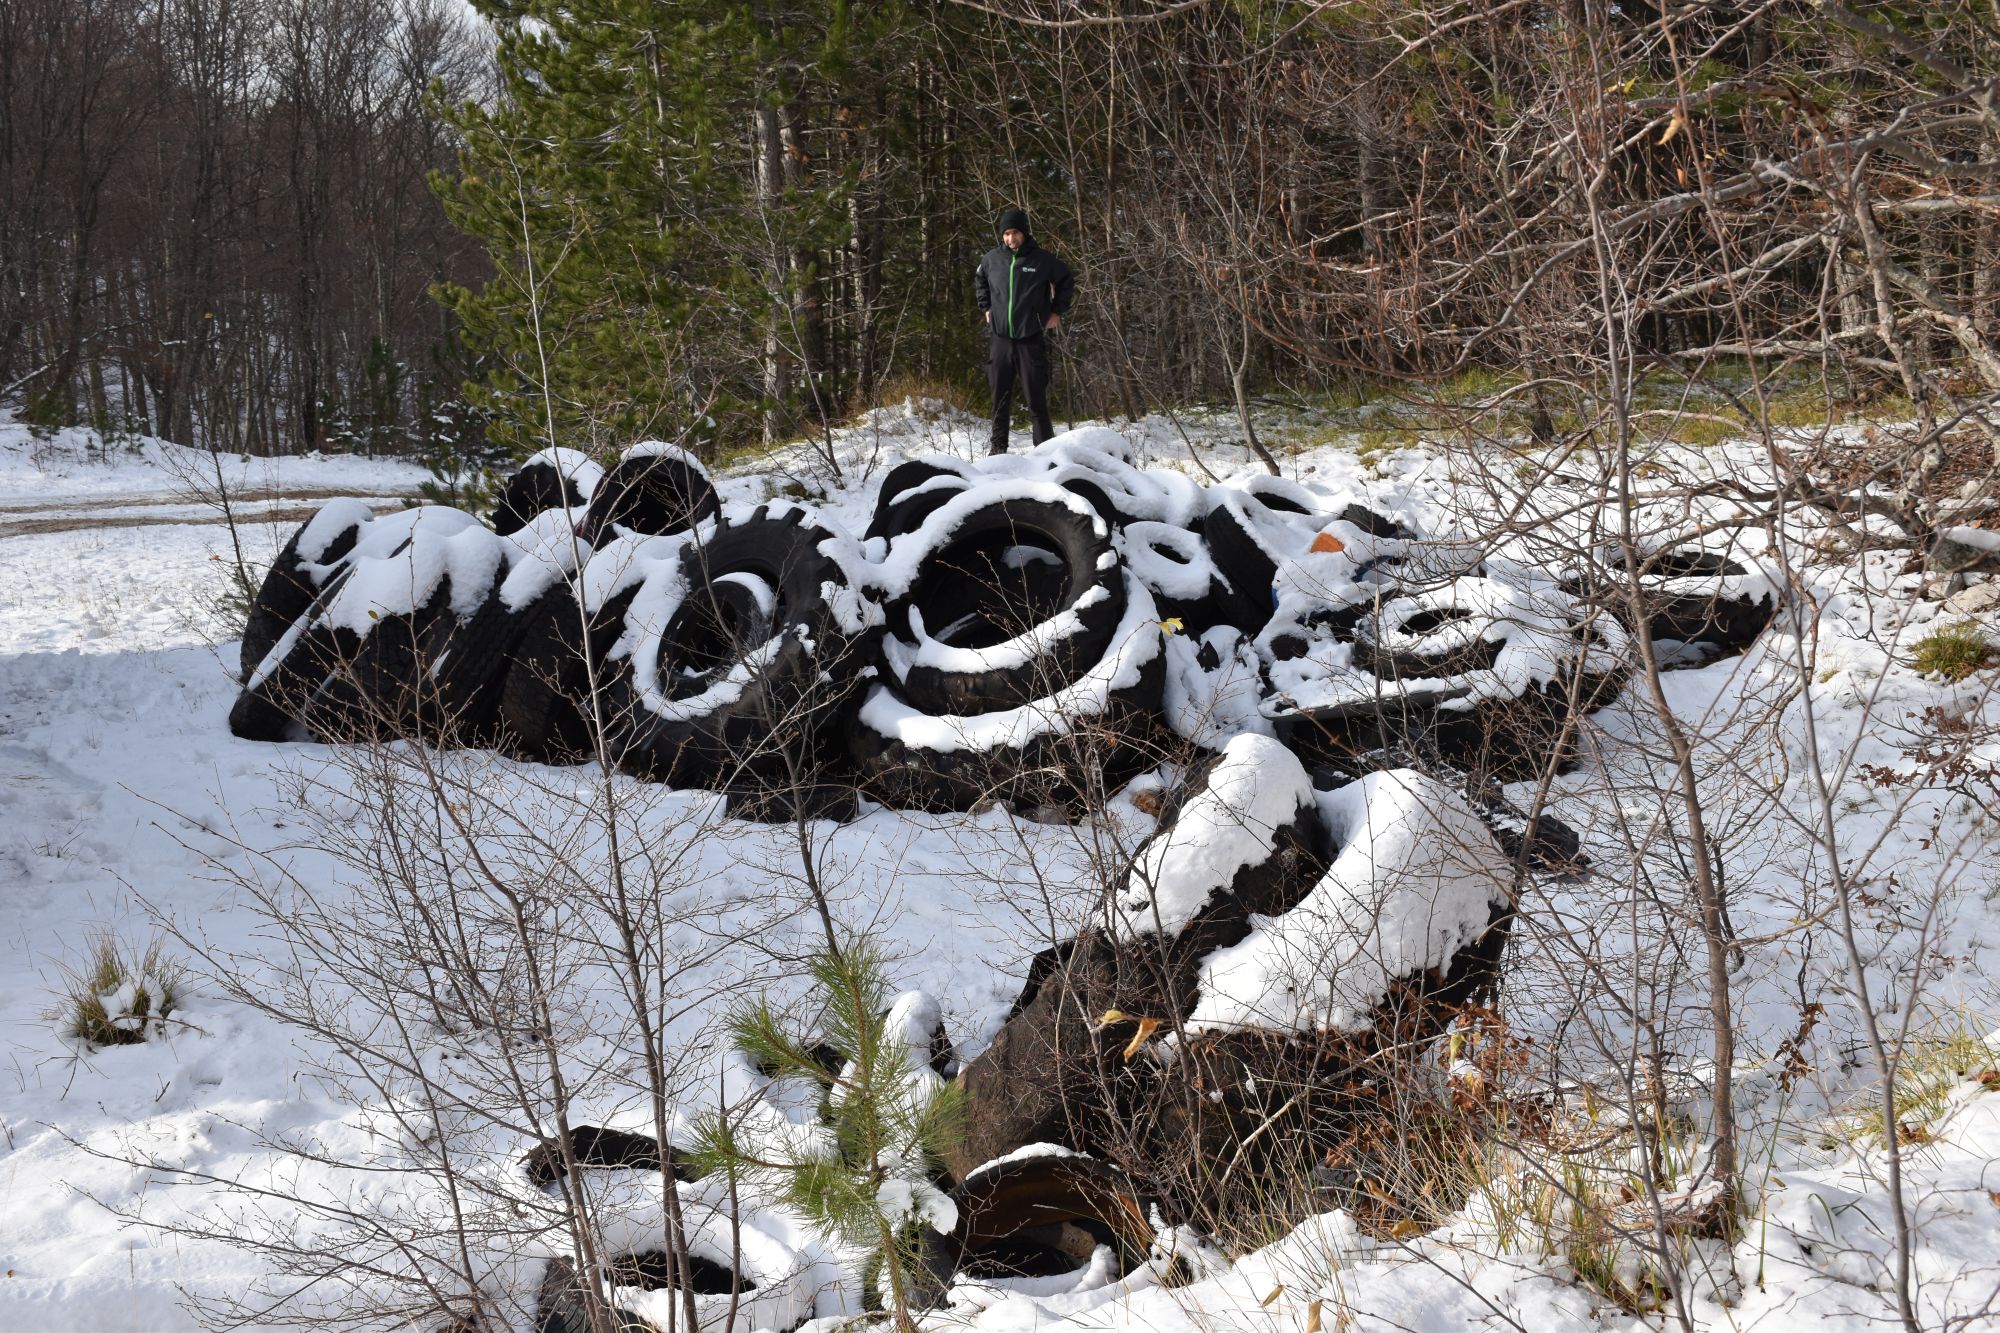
<point x="1953" y="652"/>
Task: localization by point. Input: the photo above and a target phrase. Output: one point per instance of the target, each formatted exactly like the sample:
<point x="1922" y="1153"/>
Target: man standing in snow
<point x="1025" y="291"/>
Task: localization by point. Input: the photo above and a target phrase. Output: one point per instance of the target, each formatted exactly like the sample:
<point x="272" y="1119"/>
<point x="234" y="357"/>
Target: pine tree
<point x="868" y="1174"/>
<point x="640" y="264"/>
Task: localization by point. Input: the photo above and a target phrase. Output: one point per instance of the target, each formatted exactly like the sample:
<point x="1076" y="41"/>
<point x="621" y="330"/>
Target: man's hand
<point x="989" y="317"/>
<point x="1055" y="322"/>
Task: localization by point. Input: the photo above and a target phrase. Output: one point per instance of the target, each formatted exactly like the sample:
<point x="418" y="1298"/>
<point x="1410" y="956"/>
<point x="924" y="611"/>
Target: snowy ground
<point x="122" y="793"/>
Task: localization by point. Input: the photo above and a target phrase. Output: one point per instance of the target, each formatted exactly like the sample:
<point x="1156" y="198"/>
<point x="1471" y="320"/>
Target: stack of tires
<point x="1034" y="628"/>
<point x="1282" y="945"/>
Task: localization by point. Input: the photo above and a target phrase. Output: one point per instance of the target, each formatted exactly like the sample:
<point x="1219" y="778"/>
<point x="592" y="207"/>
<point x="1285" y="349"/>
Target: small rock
<point x="1977" y="600"/>
<point x="1965" y="557"/>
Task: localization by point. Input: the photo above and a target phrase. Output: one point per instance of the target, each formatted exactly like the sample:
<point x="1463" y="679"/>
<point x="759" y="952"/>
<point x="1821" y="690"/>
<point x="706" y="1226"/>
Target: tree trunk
<point x="769" y="156"/>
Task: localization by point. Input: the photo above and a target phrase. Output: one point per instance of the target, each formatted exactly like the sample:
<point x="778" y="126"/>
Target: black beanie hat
<point x="1014" y="219"/>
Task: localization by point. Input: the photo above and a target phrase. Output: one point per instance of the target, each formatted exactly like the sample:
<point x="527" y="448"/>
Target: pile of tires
<point x="1273" y="949"/>
<point x="1033" y="628"/>
<point x="1037" y="629"/>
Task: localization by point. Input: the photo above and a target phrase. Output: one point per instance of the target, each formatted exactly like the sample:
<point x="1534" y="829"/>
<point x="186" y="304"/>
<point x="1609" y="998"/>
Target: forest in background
<point x="278" y="225"/>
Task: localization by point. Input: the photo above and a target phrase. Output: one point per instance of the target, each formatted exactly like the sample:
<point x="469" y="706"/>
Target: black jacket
<point x="1022" y="288"/>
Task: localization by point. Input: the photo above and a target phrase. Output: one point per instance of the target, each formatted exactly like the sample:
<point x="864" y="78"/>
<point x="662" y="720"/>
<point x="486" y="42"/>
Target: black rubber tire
<point x="255" y="716"/>
<point x="966" y="595"/>
<point x="1451" y="655"/>
<point x="1302" y="626"/>
<point x="1294" y="854"/>
<point x="1727" y="623"/>
<point x="1052" y="1074"/>
<point x="381" y="691"/>
<point x="469" y="661"/>
<point x="1723" y="621"/>
<point x="593" y="1145"/>
<point x="653" y="494"/>
<point x="1214" y="603"/>
<point x="1112" y="505"/>
<point x="1375" y="524"/>
<point x="1006" y="1210"/>
<point x="1072" y="763"/>
<point x="1071" y="770"/>
<point x="907" y="495"/>
<point x="1505" y="740"/>
<point x="290" y="686"/>
<point x="286" y="593"/>
<point x="1237" y="538"/>
<point x="547" y="685"/>
<point x="536" y="485"/>
<point x="778" y="717"/>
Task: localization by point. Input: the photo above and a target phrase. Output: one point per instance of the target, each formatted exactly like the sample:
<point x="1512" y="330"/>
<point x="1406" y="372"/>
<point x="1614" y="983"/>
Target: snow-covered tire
<point x="594" y="1145"/>
<point x="1300" y="1024"/>
<point x="911" y="492"/>
<point x="1094" y="462"/>
<point x="469" y="660"/>
<point x="1375" y="523"/>
<point x="1480" y="674"/>
<point x="1426" y="637"/>
<point x="381" y="690"/>
<point x="552" y="479"/>
<point x="1235" y="840"/>
<point x="1185" y="581"/>
<point x="1002" y="594"/>
<point x="655" y="490"/>
<point x="279" y="693"/>
<point x="1706" y="597"/>
<point x="1241" y="838"/>
<point x="774" y="1281"/>
<point x="1027" y="1215"/>
<point x="468" y="666"/>
<point x="396" y="564"/>
<point x="1215" y="687"/>
<point x="414" y="579"/>
<point x="734" y="658"/>
<point x="295" y="576"/>
<point x="545" y="693"/>
<point x="1068" y="748"/>
<point x="1252" y="527"/>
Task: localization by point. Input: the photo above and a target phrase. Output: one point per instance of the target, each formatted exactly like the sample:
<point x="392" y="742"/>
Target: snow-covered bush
<point x="119" y="997"/>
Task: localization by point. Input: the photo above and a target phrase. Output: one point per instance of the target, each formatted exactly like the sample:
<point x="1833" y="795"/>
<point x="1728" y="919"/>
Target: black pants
<point x="1028" y="360"/>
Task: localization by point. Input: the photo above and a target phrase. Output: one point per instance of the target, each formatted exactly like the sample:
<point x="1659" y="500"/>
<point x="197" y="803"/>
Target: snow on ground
<point x="74" y="466"/>
<point x="121" y="791"/>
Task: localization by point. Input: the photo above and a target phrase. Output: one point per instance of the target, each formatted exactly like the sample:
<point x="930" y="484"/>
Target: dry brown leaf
<point x="1147" y="1027"/>
<point x="1674" y="126"/>
<point x="1276" y="1292"/>
<point x="1312" y="1317"/>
